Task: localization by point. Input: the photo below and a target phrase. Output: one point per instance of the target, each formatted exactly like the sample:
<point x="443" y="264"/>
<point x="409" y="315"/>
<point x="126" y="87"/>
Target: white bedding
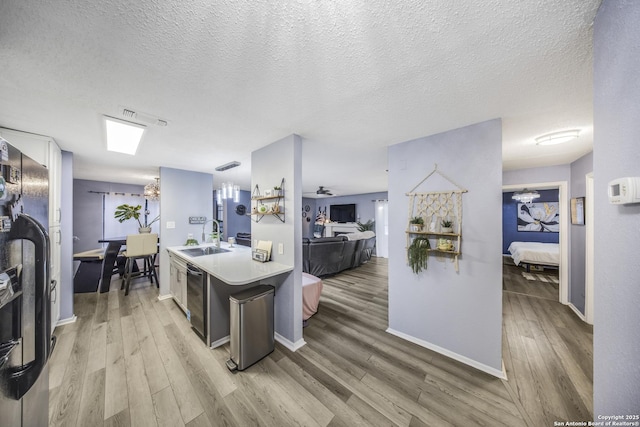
<point x="535" y="253"/>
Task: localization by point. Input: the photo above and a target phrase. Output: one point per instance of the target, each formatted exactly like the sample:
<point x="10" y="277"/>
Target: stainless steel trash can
<point x="251" y="326"/>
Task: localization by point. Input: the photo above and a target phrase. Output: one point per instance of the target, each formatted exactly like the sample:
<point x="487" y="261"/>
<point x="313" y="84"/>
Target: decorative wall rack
<point x="271" y="203"/>
<point x="435" y="208"/>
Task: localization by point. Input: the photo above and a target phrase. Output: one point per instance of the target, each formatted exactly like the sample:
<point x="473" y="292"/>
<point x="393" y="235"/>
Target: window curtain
<point x="382" y="228"/>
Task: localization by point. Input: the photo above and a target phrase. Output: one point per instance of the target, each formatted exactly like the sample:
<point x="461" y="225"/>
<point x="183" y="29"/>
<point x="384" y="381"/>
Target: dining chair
<point x="140" y="246"/>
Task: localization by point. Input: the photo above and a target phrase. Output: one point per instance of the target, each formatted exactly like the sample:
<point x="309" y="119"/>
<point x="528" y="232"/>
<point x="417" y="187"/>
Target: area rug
<point x="540" y="277"/>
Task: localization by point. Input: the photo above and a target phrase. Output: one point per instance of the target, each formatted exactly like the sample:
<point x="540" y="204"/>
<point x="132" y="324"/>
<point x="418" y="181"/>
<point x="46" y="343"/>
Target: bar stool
<point x="140" y="246"/>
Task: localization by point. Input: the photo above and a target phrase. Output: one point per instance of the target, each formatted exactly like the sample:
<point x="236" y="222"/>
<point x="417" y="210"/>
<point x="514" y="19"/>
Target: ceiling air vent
<point x="146" y="118"/>
<point x="227" y="166"/>
<point x="129" y="114"/>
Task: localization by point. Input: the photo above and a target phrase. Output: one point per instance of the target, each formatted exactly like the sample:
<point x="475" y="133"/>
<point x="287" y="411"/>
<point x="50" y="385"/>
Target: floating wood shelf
<point x="259" y="199"/>
<point x="433" y="233"/>
<point x="267" y="197"/>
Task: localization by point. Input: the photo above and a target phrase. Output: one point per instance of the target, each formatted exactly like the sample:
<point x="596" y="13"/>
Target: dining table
<point x="114" y="244"/>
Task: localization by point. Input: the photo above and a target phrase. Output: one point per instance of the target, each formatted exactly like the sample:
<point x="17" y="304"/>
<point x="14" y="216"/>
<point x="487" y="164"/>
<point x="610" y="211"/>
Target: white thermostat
<point x="623" y="191"/>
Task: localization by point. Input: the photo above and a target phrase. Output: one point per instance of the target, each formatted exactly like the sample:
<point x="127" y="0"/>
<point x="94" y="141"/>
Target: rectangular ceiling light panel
<point x="123" y="137"/>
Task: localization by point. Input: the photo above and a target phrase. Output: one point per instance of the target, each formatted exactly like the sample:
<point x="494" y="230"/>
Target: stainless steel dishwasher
<point x="197" y="301"/>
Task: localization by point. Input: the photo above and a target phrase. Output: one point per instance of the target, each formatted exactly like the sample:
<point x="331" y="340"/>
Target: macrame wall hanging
<point x="435" y="221"/>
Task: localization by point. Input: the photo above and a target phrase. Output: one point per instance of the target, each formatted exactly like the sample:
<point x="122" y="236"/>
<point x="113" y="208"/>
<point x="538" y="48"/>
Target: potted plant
<point x="418" y="253"/>
<point x="369" y="225"/>
<point x="446" y="226"/>
<point x="125" y="212"/>
<point x="277" y="191"/>
<point x="416" y="223"/>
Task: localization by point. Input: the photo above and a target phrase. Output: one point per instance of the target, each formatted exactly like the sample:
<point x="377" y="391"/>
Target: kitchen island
<point x="222" y="274"/>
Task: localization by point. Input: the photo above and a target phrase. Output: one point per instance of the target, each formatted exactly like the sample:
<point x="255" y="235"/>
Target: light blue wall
<point x="364" y="204"/>
<point x="457" y="313"/>
<point x="578" y="245"/>
<point x="282" y="159"/>
<point x="234" y="223"/>
<point x="183" y="194"/>
<point x="66" y="245"/>
<point x="616" y="340"/>
<point x="307" y="226"/>
<point x="88" y="212"/>
<point x="537" y="175"/>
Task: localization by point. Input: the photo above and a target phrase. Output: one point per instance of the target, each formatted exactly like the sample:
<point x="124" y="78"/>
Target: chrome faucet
<point x="204" y="239"/>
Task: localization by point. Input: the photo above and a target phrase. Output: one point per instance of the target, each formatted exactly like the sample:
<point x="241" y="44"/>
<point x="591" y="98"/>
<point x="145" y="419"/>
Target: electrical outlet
<point x="280" y="248"/>
<point x="171" y="224"/>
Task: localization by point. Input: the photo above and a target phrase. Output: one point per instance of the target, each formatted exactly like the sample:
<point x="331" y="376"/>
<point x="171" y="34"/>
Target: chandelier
<point x="525" y="196"/>
<point x="152" y="190"/>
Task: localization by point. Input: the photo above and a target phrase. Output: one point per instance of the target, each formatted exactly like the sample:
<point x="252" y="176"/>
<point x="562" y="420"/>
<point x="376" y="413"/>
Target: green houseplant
<point x="447" y="226"/>
<point x="125" y="212"/>
<point x="416" y="223"/>
<point x="369" y="225"/>
<point x="418" y="254"/>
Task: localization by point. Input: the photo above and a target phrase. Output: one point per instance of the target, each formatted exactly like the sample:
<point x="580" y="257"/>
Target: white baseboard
<point x="293" y="346"/>
<point x="575" y="310"/>
<point x="164" y="297"/>
<point x="66" y="321"/>
<point x="282" y="340"/>
<point x="480" y="366"/>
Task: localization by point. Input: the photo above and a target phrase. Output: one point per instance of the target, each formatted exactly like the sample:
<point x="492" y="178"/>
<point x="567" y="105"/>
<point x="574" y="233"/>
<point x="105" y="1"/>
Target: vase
<point x="143" y="230"/>
<point x="446" y="230"/>
<point x="416" y="227"/>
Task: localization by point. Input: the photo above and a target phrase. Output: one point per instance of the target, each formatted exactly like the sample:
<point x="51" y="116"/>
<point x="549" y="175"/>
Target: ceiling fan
<point x="323" y="191"/>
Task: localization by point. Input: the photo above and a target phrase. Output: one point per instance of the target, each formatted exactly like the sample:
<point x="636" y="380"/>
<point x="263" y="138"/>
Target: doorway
<point x="563" y="238"/>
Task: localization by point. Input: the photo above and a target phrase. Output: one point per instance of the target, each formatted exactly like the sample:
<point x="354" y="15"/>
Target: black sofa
<point x="330" y="255"/>
<point x="243" y="239"/>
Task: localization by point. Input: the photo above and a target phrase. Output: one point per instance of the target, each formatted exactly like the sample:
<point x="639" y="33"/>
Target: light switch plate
<point x="171" y="224"/>
<point x="280" y="248"/>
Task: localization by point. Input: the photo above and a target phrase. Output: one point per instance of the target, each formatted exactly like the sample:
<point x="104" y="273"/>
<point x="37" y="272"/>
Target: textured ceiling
<point x="350" y="77"/>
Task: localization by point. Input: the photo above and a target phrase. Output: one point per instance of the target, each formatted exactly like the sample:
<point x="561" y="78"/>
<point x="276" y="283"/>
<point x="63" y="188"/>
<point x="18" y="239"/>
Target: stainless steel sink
<point x="209" y="250"/>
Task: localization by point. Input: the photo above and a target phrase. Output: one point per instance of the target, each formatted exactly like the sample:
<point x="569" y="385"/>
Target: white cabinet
<point x="178" y="281"/>
<point x="44" y="150"/>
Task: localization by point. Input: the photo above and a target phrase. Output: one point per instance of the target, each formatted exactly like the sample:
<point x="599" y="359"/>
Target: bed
<point x="311" y="290"/>
<point x="535" y="253"/>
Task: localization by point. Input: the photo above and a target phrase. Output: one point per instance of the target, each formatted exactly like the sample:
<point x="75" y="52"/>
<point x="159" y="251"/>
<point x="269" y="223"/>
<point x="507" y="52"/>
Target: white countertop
<point x="235" y="267"/>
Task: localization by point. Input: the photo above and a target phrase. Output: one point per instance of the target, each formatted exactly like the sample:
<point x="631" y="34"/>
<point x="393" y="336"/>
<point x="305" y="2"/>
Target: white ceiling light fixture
<point x="228" y="190"/>
<point x="525" y="196"/>
<point x="123" y="137"/>
<point x="558" y="137"/>
<point x="152" y="190"/>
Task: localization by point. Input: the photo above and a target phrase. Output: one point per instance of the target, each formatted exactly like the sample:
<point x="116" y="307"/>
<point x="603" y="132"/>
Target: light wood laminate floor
<point x="133" y="361"/>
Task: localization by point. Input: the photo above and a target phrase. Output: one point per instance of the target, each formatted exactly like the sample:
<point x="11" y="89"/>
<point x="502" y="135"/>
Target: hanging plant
<point x="418" y="253"/>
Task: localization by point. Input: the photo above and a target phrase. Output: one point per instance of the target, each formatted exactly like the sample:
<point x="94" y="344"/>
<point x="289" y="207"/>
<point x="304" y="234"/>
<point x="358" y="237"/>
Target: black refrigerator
<point x="25" y="320"/>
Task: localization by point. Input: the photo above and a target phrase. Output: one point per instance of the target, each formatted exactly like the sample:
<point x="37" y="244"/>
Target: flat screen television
<point x="342" y="213"/>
